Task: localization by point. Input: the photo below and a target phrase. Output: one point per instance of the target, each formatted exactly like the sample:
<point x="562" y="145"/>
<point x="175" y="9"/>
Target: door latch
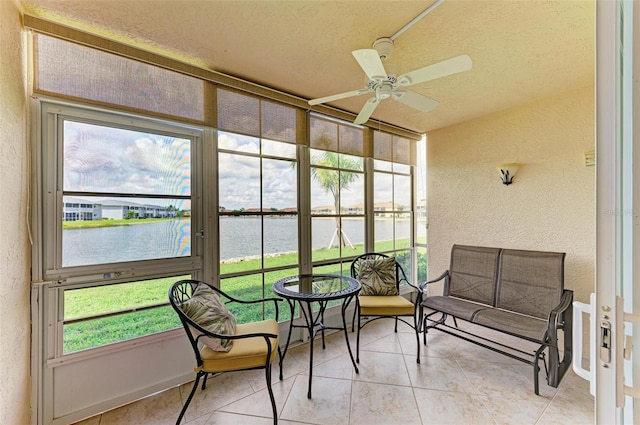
<point x="605" y="341"/>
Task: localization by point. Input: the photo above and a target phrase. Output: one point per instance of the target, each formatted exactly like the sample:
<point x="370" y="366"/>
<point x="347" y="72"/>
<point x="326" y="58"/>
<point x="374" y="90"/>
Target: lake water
<point x="239" y="237"/>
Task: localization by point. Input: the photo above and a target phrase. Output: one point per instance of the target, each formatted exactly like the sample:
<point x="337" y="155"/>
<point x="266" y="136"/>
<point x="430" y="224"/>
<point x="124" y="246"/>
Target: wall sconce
<point x="507" y="172"/>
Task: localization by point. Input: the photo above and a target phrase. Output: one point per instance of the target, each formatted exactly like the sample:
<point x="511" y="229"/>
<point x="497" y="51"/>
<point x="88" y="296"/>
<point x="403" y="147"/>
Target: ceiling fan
<point x="384" y="86"/>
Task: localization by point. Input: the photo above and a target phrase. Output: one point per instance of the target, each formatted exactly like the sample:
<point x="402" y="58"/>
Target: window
<point x="337" y="197"/>
<point x="393" y="198"/>
<point x="117" y="220"/>
<point x="421" y="210"/>
<point x="258" y="197"/>
<point x="100" y="315"/>
<point x="139" y="184"/>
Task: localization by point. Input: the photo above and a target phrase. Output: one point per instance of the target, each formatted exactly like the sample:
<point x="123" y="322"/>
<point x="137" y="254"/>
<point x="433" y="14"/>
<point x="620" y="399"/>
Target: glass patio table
<point x="320" y="289"/>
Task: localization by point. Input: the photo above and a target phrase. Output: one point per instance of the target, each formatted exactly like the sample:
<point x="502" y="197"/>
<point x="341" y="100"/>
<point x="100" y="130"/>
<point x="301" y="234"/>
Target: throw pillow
<point x="378" y="277"/>
<point x="207" y="309"/>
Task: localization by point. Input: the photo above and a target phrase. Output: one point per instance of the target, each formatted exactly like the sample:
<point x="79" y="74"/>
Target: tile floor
<point x="455" y="383"/>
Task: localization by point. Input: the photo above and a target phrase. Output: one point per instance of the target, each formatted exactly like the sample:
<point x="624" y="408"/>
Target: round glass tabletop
<point x="316" y="287"/>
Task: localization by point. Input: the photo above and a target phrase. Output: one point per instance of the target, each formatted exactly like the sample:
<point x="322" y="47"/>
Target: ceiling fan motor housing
<point x="384" y="90"/>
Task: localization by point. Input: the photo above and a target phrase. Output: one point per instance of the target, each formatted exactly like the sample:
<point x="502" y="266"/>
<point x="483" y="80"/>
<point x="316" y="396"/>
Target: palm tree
<point x="333" y="181"/>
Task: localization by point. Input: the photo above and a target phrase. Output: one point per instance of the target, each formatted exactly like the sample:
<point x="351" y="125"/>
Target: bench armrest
<point x="424" y="284"/>
<point x="556" y="317"/>
<point x="561" y="317"/>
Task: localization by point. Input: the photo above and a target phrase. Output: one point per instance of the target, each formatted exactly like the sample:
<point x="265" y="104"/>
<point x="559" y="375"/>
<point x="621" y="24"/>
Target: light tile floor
<point x="455" y="383"/>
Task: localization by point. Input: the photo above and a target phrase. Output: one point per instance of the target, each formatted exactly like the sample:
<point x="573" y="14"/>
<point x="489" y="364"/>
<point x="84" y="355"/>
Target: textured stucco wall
<point x="15" y="384"/>
<point x="551" y="204"/>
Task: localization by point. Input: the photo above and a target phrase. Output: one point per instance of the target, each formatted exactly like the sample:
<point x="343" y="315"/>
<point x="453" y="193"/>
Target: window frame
<point x="48" y="219"/>
<point x="258" y="125"/>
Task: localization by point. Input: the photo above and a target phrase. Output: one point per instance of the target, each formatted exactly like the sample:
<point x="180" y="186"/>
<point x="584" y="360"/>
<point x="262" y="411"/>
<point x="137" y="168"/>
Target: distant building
<point x="325" y="210"/>
<point x="421" y="209"/>
<point x="289" y="210"/>
<point x="75" y="209"/>
<point x="256" y="210"/>
<point x="353" y="209"/>
<point x="383" y="209"/>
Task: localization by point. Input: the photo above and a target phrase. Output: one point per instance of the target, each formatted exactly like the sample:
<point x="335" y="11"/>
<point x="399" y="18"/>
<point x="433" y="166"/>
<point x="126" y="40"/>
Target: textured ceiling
<point x="521" y="50"/>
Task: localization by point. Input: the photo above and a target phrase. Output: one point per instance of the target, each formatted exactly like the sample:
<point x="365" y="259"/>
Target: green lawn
<point x="122" y="298"/>
<point x="84" y="224"/>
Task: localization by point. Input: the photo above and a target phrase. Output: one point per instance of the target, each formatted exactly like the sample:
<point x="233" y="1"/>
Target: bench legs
<point x="536" y="368"/>
<point x="422" y="323"/>
<point x="554" y="369"/>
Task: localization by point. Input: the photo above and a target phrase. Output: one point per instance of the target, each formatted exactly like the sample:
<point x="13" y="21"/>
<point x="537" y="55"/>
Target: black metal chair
<point x="384" y="306"/>
<point x="253" y="344"/>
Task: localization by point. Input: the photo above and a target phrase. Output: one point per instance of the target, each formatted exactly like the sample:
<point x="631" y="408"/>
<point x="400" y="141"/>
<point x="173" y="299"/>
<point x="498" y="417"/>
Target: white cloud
<point x="103" y="159"/>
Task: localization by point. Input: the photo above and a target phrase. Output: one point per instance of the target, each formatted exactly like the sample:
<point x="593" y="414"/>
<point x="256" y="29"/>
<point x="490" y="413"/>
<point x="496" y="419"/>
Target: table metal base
<point x="315" y="325"/>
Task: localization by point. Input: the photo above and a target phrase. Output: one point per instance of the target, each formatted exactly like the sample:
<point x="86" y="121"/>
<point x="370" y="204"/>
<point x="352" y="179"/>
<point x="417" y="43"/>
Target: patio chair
<point x="379" y="298"/>
<point x="219" y="343"/>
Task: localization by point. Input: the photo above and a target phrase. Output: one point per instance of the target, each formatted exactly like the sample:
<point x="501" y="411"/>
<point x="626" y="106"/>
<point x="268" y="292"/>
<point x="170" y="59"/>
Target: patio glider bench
<point x="518" y="293"/>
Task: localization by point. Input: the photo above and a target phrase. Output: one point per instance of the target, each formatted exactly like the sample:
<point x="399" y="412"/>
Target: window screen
<point x="79" y="72"/>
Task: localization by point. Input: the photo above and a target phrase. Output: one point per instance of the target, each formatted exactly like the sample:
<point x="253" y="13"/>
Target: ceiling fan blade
<point x="366" y="111"/>
<point x="415" y="100"/>
<point x="370" y="63"/>
<point x="441" y="69"/>
<point x="337" y="97"/>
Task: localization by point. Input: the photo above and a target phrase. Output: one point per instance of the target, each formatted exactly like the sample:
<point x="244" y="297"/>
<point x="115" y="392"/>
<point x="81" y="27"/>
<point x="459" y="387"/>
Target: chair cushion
<point x="378" y="276"/>
<point x="392" y="305"/>
<point x="207" y="309"/>
<point x="246" y="352"/>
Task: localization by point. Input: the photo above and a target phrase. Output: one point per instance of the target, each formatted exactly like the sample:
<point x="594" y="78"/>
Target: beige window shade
<point x="382" y="146"/>
<point x="278" y="122"/>
<point x="238" y="113"/>
<point x="402" y="150"/>
<point x="388" y="147"/>
<point x="74" y="71"/>
<point x="351" y="140"/>
<point x="336" y="137"/>
<point x="249" y="115"/>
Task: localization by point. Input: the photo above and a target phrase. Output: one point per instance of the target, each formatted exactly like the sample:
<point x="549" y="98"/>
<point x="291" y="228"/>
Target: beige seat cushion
<point x="380" y="305"/>
<point x="245" y="353"/>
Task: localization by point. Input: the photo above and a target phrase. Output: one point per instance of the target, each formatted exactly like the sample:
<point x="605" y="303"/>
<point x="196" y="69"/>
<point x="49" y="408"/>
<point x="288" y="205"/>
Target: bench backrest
<point x="473" y="272"/>
<point x="530" y="282"/>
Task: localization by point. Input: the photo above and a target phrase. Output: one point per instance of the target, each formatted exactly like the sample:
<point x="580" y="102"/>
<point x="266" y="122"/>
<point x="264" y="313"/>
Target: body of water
<point x="239" y="237"/>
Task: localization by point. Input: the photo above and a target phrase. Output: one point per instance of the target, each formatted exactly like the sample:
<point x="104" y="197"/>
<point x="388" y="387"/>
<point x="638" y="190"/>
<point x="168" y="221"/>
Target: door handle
<point x="579" y="311"/>
<point x="628" y="346"/>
